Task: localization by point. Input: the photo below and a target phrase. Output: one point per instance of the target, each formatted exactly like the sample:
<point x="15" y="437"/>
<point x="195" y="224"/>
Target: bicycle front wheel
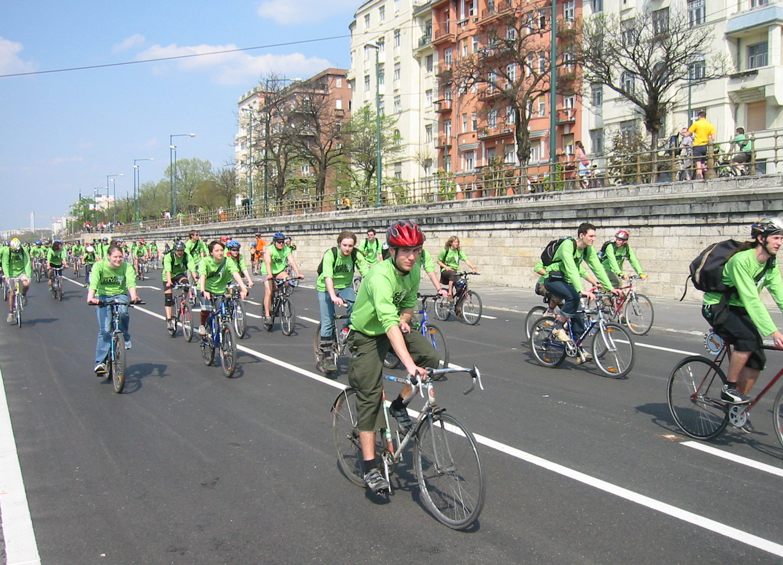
<point x="227" y="352"/>
<point x="438" y="342"/>
<point x="345" y="432"/>
<point x="207" y="351"/>
<point x="694" y="397"/>
<point x="449" y="471"/>
<point x="547" y="350"/>
<point x="613" y="351"/>
<point x="470" y="308"/>
<point x="239" y="319"/>
<point x="186" y="318"/>
<point x="287" y="317"/>
<point x="442" y="308"/>
<point x="777" y="416"/>
<point x="174" y="318"/>
<point x="533" y="315"/>
<point x="639" y="314"/>
<point x="118" y="363"/>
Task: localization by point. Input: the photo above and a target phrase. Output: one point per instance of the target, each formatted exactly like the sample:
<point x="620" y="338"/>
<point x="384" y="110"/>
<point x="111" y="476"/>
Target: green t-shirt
<point x="177" y="265"/>
<point x="569" y="258"/>
<point x="89" y="258"/>
<point x="216" y="275"/>
<point x="615" y="256"/>
<point x="384" y="293"/>
<point x="55" y="257"/>
<point x="279" y="259"/>
<point x="37" y="252"/>
<point x="744" y="143"/>
<point x="452" y="257"/>
<point x="371" y="250"/>
<point x="15" y="263"/>
<point x="77" y="250"/>
<point x="239" y="261"/>
<point x="107" y="281"/>
<point x="340" y="270"/>
<point x="196" y="249"/>
<point x="426" y="261"/>
<point x="740" y="273"/>
<point x="139" y="250"/>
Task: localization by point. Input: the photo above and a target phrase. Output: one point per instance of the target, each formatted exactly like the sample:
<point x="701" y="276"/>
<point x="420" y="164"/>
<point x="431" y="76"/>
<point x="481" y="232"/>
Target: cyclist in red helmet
<point x="613" y="255"/>
<point x="381" y="320"/>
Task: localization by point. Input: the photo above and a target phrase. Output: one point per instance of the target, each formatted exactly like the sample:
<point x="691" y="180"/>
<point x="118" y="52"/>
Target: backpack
<point x="548" y="254"/>
<point x="334" y="258"/>
<point x="602" y="253"/>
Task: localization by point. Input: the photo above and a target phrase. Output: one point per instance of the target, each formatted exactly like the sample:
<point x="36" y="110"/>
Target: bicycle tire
<point x="345" y="434"/>
<point x="227" y="352"/>
<point x="287" y="317"/>
<point x="18" y="310"/>
<point x="613" y="351"/>
<point x="357" y="281"/>
<point x="470" y="308"/>
<point x="207" y="350"/>
<point x="546" y="349"/>
<point x="186" y="318"/>
<point x="118" y="363"/>
<point x="449" y="470"/>
<point x="442" y="308"/>
<point x="777" y="415"/>
<point x="438" y="342"/>
<point x="639" y="314"/>
<point x="533" y="315"/>
<point x="693" y="396"/>
<point x="239" y="319"/>
<point x="174" y="319"/>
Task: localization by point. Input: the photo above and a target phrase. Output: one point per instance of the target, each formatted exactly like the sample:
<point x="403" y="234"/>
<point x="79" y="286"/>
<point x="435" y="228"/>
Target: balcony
<point x="756" y="84"/>
<point x="443" y="105"/>
<point x="444" y="35"/>
<point x="566" y="116"/>
<point x="493" y="11"/>
<point x="489" y="93"/>
<point x="758" y="17"/>
<point x="495" y="132"/>
<point x="443" y="72"/>
<point x="443" y="142"/>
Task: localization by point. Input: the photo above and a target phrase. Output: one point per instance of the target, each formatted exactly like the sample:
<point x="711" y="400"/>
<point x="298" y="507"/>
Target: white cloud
<point x="288" y="12"/>
<point x="10" y="62"/>
<point x="238" y="67"/>
<point x="129" y="43"/>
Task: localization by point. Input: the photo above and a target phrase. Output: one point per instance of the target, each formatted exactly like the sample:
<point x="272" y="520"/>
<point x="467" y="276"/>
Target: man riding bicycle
<point x="613" y="255"/>
<point x="15" y="261"/>
<point x="275" y="262"/>
<point x="371" y="248"/>
<point x="743" y="319"/>
<point x="381" y="320"/>
<point x="54" y="259"/>
<point x="176" y="265"/>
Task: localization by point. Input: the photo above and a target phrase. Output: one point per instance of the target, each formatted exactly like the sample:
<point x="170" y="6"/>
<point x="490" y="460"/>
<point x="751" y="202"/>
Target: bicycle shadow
<point x="135" y="375"/>
<point x="34" y="321"/>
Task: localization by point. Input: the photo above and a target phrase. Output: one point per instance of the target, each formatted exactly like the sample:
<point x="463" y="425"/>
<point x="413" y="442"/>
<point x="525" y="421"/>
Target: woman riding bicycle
<point x="111" y="278"/>
<point x="215" y="272"/>
<point x="449" y="260"/>
<point x="275" y="262"/>
<point x="232" y="249"/>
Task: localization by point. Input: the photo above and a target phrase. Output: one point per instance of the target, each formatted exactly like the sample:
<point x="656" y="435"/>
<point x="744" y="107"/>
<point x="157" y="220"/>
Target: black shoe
<point x="327" y="360"/>
<point x="268" y="323"/>
<point x="730" y="394"/>
<point x="375" y="481"/>
<point x="401" y="415"/>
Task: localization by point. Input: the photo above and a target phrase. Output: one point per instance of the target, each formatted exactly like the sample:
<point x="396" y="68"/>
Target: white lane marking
<point x="75" y="282"/>
<point x="20" y="544"/>
<point x="253" y="302"/>
<point x="777" y="471"/>
<point x="309" y="320"/>
<point x="146" y="286"/>
<point x="659" y="348"/>
<point x="488" y="317"/>
<point x="621" y="492"/>
<point x="253" y="315"/>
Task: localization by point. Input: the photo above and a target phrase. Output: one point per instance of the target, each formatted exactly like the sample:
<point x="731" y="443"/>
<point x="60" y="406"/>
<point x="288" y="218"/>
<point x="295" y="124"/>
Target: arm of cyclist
<point x="397" y="341"/>
<point x="242" y="287"/>
<point x="610" y="262"/>
<point x="637" y="266"/>
<point x="294" y="266"/>
<point x="591" y="257"/>
<point x="741" y="271"/>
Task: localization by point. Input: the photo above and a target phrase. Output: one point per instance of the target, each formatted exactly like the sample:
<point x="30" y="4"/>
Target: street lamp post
<point x="173" y="166"/>
<point x="378" y="160"/>
<point x="137" y="186"/>
<point x="113" y="178"/>
<point x="250" y="158"/>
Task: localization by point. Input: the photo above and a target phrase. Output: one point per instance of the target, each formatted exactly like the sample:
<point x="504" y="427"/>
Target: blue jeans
<point x="571" y="297"/>
<point x="103" y="346"/>
<point x="327" y="309"/>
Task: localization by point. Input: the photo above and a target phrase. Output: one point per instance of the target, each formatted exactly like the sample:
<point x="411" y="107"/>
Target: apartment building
<point x="397" y="33"/>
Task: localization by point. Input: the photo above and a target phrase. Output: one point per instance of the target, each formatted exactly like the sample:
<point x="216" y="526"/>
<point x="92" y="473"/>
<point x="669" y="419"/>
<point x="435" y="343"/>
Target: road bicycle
<point x="115" y="362"/>
<point x="282" y="306"/>
<point x="182" y="313"/>
<point x="219" y="337"/>
<point x="694" y="394"/>
<point x="57" y="283"/>
<point x="466" y="304"/>
<point x="445" y="455"/>
<point x="4" y="287"/>
<point x="77" y="267"/>
<point x="430" y="331"/>
<point x="631" y="308"/>
<point x="339" y="344"/>
<point x="235" y="309"/>
<point x="87" y="271"/>
<point x="142" y="268"/>
<point x="39" y="270"/>
<point x="612" y="347"/>
<point x="15" y="286"/>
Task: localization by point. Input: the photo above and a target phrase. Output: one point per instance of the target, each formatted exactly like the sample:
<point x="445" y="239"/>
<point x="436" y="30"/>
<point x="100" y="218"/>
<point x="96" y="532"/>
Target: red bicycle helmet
<point x="622" y="234"/>
<point x="404" y="233"/>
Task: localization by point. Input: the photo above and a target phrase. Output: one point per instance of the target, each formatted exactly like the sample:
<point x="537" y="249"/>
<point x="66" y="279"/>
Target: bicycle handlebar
<point x="114" y="301"/>
<point x="435" y="374"/>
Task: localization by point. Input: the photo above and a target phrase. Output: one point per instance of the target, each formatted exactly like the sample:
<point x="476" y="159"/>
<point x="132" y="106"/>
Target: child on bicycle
<point x="215" y="272"/>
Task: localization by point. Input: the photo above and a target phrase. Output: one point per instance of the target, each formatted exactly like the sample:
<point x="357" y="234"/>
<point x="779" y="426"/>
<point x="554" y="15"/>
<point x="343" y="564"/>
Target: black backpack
<point x="706" y="270"/>
<point x="334" y="258"/>
<point x="602" y="253"/>
<point x="548" y="254"/>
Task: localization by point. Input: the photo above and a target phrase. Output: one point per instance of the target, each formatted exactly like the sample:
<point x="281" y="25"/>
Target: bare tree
<point x="647" y="58"/>
<point x="226" y="184"/>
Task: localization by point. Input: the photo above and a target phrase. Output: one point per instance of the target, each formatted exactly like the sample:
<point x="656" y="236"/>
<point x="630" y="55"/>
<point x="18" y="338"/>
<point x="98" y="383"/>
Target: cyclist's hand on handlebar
<point x="625" y="276"/>
<point x="777" y="339"/>
<point x="589" y="294"/>
<point x="206" y="295"/>
<point x="93" y="301"/>
<point x="243" y="293"/>
<point x="643" y="276"/>
<point x="617" y="291"/>
<point x="420" y="373"/>
<point x="337" y="301"/>
<point x="405" y="327"/>
<point x="443" y="292"/>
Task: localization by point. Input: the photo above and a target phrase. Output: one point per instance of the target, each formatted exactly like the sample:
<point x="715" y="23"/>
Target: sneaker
<point x="730" y="394"/>
<point x="561" y="335"/>
<point x="202" y="331"/>
<point x="128" y="345"/>
<point x="375" y="481"/>
<point x="170" y="324"/>
<point x="268" y="323"/>
<point x="583" y="357"/>
<point x="100" y="369"/>
<point x="327" y="359"/>
<point x="402" y="417"/>
<point x="10" y="319"/>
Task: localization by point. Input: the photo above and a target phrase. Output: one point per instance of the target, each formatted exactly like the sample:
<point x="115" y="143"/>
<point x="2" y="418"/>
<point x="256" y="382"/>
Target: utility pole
<point x="553" y="94"/>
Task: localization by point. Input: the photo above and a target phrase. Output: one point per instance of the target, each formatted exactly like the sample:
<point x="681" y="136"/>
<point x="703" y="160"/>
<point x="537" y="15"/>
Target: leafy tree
<point x="189" y="173"/>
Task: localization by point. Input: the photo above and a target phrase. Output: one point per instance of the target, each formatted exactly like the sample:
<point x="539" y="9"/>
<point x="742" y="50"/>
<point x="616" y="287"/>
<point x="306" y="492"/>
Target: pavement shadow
<point x="136" y="373"/>
<point x="34" y="321"/>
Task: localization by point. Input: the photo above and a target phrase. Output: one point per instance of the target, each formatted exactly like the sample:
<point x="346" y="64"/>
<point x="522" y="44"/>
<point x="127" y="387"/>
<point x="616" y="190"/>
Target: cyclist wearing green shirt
<point x="215" y="272"/>
<point x="744" y="319"/>
<point x="15" y="261"/>
<point x="565" y="280"/>
<point x="335" y="288"/>
<point x="233" y="248"/>
<point x="111" y="278"/>
<point x="613" y="256"/>
<point x="380" y="320"/>
<point x="89" y="260"/>
<point x="54" y="259"/>
<point x="275" y="262"/>
<point x="176" y="266"/>
<point x="371" y="248"/>
<point x="449" y="260"/>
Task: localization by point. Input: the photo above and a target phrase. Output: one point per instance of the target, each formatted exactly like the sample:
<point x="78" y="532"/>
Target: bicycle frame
<point x="217" y="319"/>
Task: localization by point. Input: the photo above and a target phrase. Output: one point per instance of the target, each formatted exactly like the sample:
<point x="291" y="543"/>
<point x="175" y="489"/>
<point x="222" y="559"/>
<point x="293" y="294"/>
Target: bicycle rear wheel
<point x="207" y="350"/>
<point x="287" y="317"/>
<point x="118" y="363"/>
<point x="613" y="351"/>
<point x="777" y="416"/>
<point x="18" y="309"/>
<point x="533" y="315"/>
<point x="694" y="397"/>
<point x="227" y="352"/>
<point x="639" y="314"/>
<point x="449" y="471"/>
<point x="547" y="350"/>
<point x="239" y="319"/>
<point x="186" y="319"/>
<point x="442" y="308"/>
<point x="470" y="308"/>
<point x="345" y="433"/>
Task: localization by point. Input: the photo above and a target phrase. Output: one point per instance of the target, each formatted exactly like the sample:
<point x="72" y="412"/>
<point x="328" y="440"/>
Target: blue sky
<point x="64" y="132"/>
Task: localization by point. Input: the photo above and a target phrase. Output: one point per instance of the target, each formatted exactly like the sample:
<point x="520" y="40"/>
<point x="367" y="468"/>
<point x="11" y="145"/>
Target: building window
<point x="427" y="166"/>
<point x="464" y="123"/>
<point x="628" y="129"/>
<point x="697" y="68"/>
<point x="536" y="155"/>
<point x="366" y="83"/>
<point x="464" y="47"/>
<point x="366" y="21"/>
<point x="381" y="77"/>
<point x="492" y="118"/>
<point x="597" y="6"/>
<point x="396" y="72"/>
<point x="542" y="19"/>
<point x="542" y="106"/>
<point x="509" y="114"/>
<point x="596" y="95"/>
<point x="396" y="39"/>
<point x="447" y="129"/>
<point x="398" y="170"/>
<point x="511" y="33"/>
<point x="695" y="114"/>
<point x="397" y="105"/>
<point x="510" y="155"/>
<point x="396" y="6"/>
<point x="381" y="43"/>
<point x="428" y="133"/>
<point x="568" y="61"/>
<point x="475" y="44"/>
<point x="628" y="82"/>
<point x="757" y="55"/>
<point x="660" y="20"/>
<point x="448" y="55"/>
<point x="511" y="71"/>
<point x="428" y="97"/>
<point x="469" y="158"/>
<point x="757" y="3"/>
<point x="629" y="33"/>
<point x="447" y="163"/>
<point x="597" y="141"/>
<point x="338" y="82"/>
<point x="474" y="121"/>
<point x="428" y="63"/>
<point x="381" y="106"/>
<point x="569" y="10"/>
<point x="338" y="104"/>
<point x="541" y="63"/>
<point x="382" y="13"/>
<point x="696" y="12"/>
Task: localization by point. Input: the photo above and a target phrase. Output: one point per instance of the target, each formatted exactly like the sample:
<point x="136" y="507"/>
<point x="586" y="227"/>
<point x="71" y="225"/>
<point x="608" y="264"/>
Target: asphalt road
<point x="187" y="466"/>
